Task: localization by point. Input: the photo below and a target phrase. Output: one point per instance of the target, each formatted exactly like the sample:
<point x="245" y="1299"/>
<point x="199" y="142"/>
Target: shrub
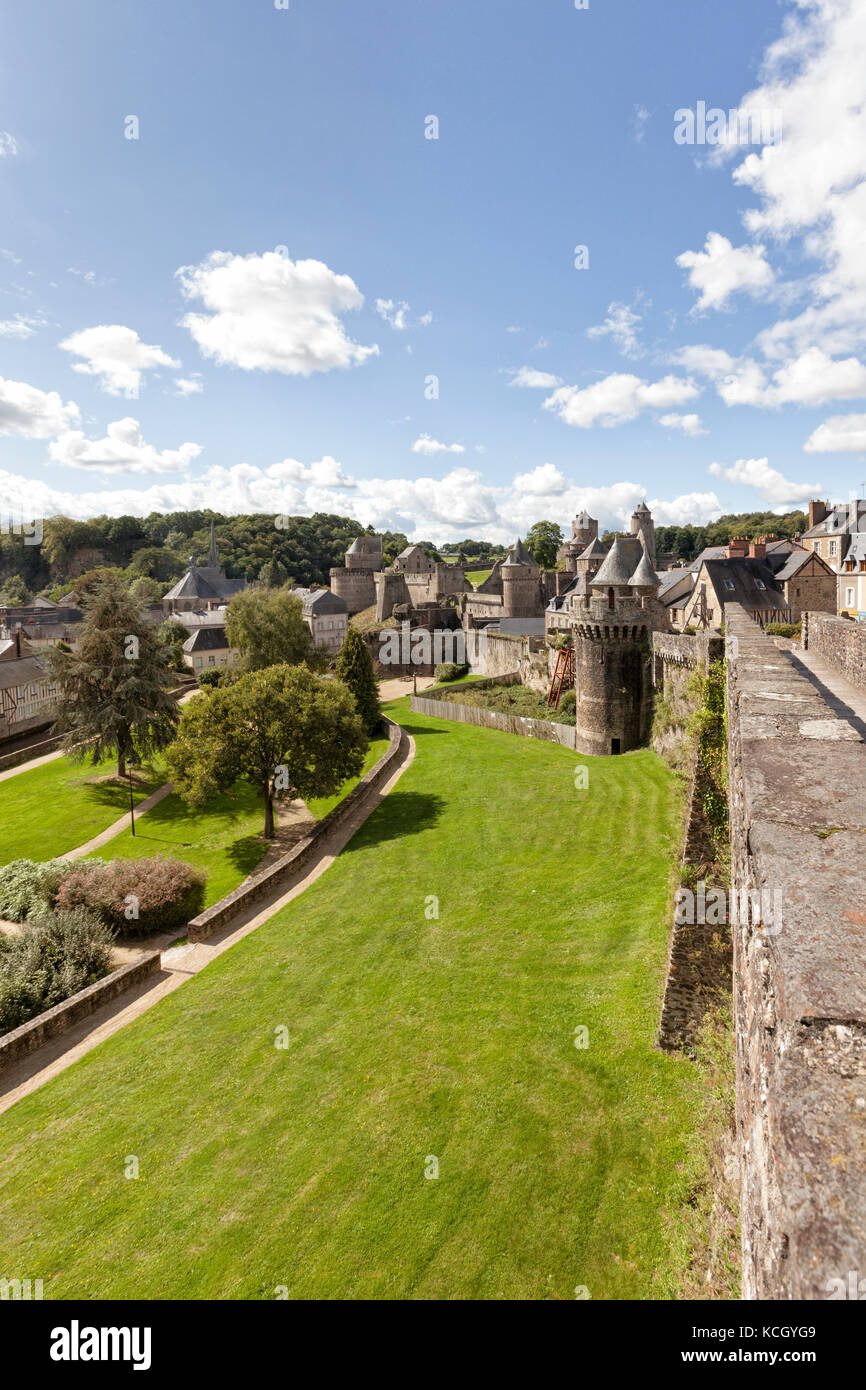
<point x="568" y="700"/>
<point x="782" y="629"/>
<point x="28" y="888"/>
<point x="136" y="896"/>
<point x="450" y="671"/>
<point x="55" y="956"/>
<point x="210" y="678"/>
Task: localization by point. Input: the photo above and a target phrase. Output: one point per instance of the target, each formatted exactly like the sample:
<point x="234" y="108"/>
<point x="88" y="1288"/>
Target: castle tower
<point x="521" y="591"/>
<point x="356" y="582"/>
<point x="643" y="527"/>
<point x="611" y="652"/>
<point x="584" y="533"/>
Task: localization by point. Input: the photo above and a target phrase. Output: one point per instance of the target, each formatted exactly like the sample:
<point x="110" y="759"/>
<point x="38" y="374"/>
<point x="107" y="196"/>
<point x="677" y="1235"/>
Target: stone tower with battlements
<point x="355" y="582"/>
<point x="611" y="624"/>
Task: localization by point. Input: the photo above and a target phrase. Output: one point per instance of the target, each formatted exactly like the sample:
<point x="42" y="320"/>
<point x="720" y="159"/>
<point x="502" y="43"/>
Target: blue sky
<point x="333" y="259"/>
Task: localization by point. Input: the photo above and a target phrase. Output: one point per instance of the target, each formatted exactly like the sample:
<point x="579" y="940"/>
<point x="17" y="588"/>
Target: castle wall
<point x="798" y="819"/>
<point x="840" y="642"/>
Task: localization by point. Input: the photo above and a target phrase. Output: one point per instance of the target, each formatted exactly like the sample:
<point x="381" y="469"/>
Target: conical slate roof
<point x="518" y="555"/>
<point x="594" y="551"/>
<point x="616" y="568"/>
<point x="644" y="576"/>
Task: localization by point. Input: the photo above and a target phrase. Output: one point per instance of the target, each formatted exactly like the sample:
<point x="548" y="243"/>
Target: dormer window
<point x="729" y="585"/>
<point x="759" y="584"/>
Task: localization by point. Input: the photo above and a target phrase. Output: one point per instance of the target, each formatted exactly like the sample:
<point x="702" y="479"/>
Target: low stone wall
<point x="33" y="750"/>
<point x="840" y="642"/>
<point x="54" y="1021"/>
<point x="286" y="868"/>
<point x="495" y="653"/>
<point x="492" y="719"/>
<point x="796" y="775"/>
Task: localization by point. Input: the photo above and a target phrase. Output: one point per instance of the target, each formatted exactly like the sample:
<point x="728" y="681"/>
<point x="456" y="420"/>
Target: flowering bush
<point x="136" y="896"/>
<point x="55" y="956"/>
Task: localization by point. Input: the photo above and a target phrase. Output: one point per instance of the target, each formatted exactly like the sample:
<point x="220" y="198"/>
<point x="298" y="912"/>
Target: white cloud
<point x="689" y="424"/>
<point x="530" y="376"/>
<point x="620" y="325"/>
<point x="270" y="313"/>
<point x="775" y="489"/>
<point x="8" y="144"/>
<point x="841" y="434"/>
<point x="617" y="399"/>
<point x="123" y="450"/>
<point x="117" y="356"/>
<point x="397" y="314"/>
<point x="641" y="116"/>
<point x="427" y="445"/>
<point x="22" y="326"/>
<point x="188" y="385"/>
<point x="441" y="509"/>
<point x="813" y="378"/>
<point x="545" y="480"/>
<point x="35" y="414"/>
<point x="721" y="270"/>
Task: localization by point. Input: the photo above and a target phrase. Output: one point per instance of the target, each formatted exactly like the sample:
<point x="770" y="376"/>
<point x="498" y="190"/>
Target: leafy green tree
<point x="155" y="562"/>
<point x="285" y="730"/>
<point x="14" y="592"/>
<point x="172" y="635"/>
<point x="355" y="669"/>
<point x="146" y="590"/>
<point x="273" y="575"/>
<point x="113" y="690"/>
<point x="267" y="627"/>
<point x="544" y="539"/>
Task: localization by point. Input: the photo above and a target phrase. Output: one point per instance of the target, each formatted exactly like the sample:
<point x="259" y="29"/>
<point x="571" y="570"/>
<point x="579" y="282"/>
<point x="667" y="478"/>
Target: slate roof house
<point x="208" y="649"/>
<point x="326" y="615"/>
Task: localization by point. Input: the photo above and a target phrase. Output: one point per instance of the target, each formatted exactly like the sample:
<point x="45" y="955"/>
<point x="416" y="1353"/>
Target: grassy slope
<point x="409" y="1037"/>
<point x="321" y="805"/>
<point x="50" y="810"/>
<point x="476" y="577"/>
<point x="224" y="839"/>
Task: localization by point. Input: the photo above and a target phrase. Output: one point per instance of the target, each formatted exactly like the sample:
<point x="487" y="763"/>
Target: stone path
<point x="402" y="685"/>
<point x="122" y="824"/>
<point x="842" y="697"/>
<point x="182" y="962"/>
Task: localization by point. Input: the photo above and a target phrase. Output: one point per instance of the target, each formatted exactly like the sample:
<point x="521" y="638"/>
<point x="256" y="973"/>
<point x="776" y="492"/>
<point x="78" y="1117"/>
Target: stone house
<point x="208" y="649"/>
<point x="833" y="528"/>
<point x="852" y="580"/>
<point x="326" y="615"/>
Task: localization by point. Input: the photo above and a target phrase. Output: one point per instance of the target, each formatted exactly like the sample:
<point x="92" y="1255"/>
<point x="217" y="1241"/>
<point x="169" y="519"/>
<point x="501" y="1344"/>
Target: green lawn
<point x="224" y="839"/>
<point x="319" y="806"/>
<point x="476" y="577"/>
<point x="410" y="1037"/>
<point x="54" y="808"/>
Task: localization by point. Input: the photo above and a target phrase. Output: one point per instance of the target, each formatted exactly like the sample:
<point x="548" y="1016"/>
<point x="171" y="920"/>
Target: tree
<point x="146" y="590"/>
<point x="113" y="690"/>
<point x="355" y="670"/>
<point x="14" y="592"/>
<point x="544" y="539"/>
<point x="267" y="627"/>
<point x="155" y="562"/>
<point x="283" y="729"/>
<point x="273" y="575"/>
<point x="172" y="634"/>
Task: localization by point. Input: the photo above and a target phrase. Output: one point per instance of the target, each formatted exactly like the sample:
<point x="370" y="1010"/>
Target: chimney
<point x="852" y="516"/>
<point x="758" y="549"/>
<point x="738" y="546"/>
<point x="817" y="512"/>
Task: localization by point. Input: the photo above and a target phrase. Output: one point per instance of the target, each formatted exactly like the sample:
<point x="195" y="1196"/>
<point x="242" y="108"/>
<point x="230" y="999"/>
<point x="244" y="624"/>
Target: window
<point x="211" y="661"/>
<point x="849" y="598"/>
<point x="832" y="547"/>
<point x="759" y="584"/>
<point x="729" y="585"/>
